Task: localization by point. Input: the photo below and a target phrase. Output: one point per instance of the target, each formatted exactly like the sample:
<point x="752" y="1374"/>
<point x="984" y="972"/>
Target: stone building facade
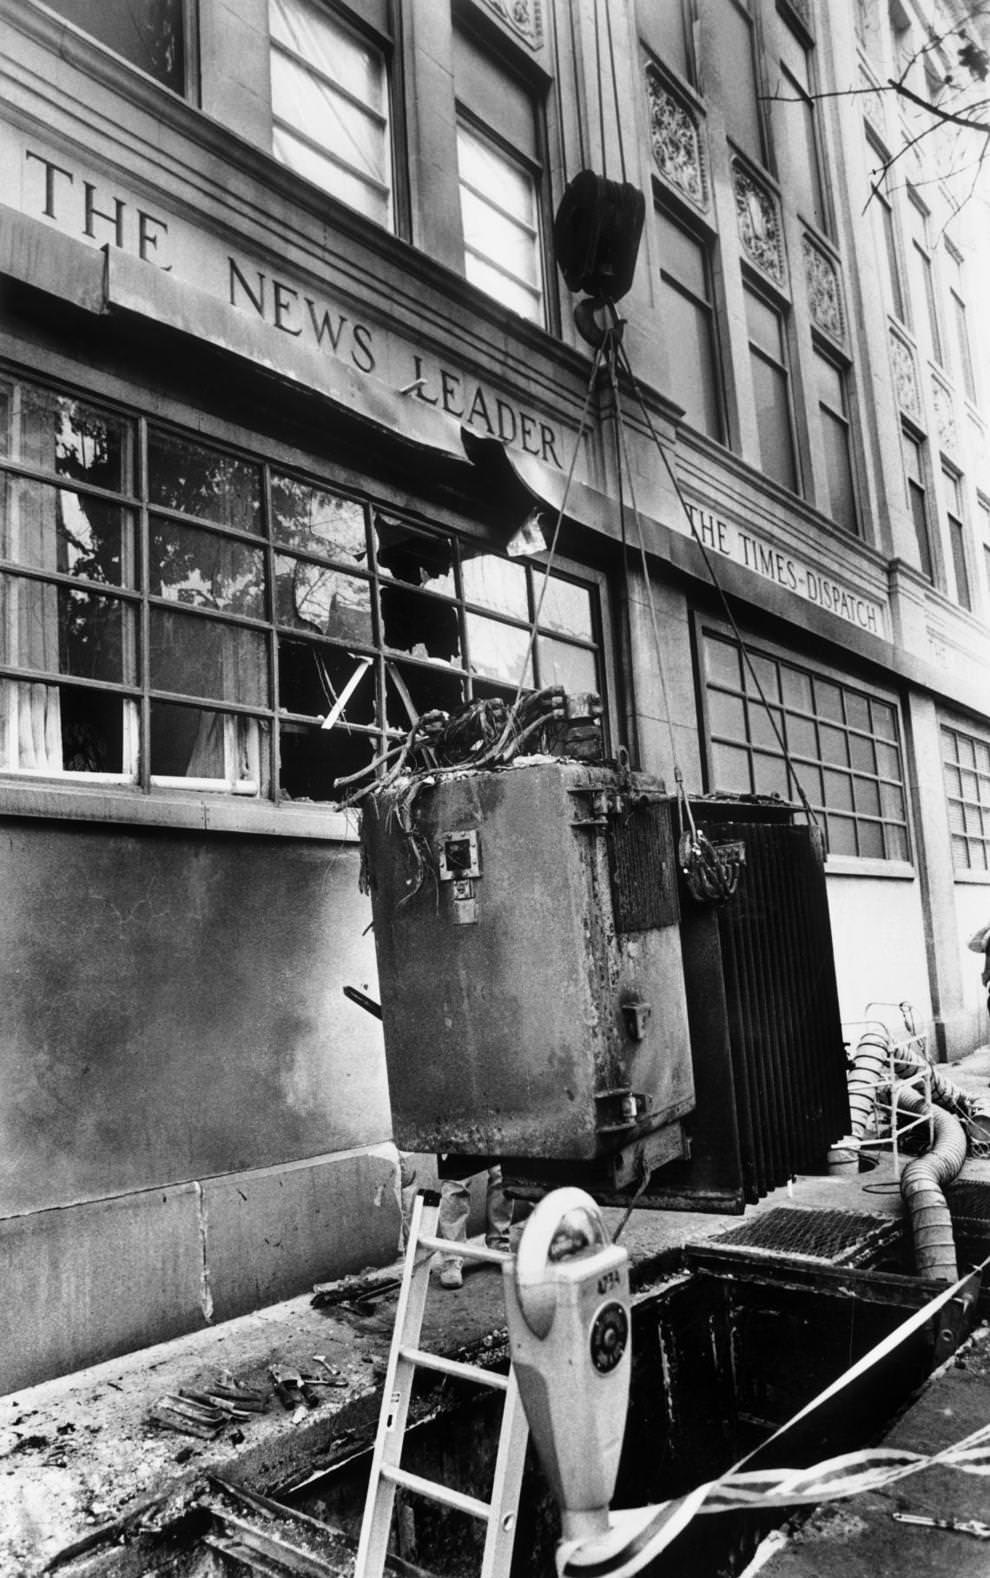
<point x="286" y="366"/>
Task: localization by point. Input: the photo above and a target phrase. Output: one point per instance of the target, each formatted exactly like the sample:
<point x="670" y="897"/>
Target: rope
<point x="710" y="567"/>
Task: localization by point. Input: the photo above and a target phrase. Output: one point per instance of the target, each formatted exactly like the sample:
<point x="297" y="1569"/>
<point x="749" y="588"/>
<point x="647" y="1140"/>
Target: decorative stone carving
<point x="945" y="417"/>
<point x="759" y="223"/>
<point x="523" y="16"/>
<point x="824" y="293"/>
<point x="905" y="377"/>
<point x="676" y="141"/>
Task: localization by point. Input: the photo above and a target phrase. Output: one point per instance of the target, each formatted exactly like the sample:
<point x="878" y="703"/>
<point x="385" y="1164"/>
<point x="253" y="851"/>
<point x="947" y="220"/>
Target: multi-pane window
<point x="797" y="129"/>
<point x="960" y="323"/>
<point x="688" y="317"/>
<point x="771" y="390"/>
<point x="952" y="486"/>
<point x="330" y="105"/>
<point x="834" y="416"/>
<point x="922" y="281"/>
<point x="729" y="37"/>
<point x="966" y="765"/>
<point x="498" y="166"/>
<point x="843" y="744"/>
<point x="149" y="33"/>
<point x="916" y="484"/>
<point x="233" y="625"/>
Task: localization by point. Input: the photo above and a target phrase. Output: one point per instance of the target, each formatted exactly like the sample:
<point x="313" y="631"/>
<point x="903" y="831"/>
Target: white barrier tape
<point x="636" y="1537"/>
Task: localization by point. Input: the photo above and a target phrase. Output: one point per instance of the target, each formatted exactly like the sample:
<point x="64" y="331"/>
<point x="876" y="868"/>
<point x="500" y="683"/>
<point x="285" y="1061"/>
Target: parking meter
<point x="568" y="1309"/>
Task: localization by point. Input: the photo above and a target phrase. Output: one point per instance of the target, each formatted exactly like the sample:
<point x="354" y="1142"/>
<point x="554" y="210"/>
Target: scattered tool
<point x="336" y="1378"/>
<point x="292" y="1388"/>
<point x="974" y="1526"/>
<point x="192" y="1418"/>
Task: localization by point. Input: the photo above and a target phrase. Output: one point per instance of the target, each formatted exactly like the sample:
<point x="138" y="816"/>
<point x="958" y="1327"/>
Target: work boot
<point x="450" y="1275"/>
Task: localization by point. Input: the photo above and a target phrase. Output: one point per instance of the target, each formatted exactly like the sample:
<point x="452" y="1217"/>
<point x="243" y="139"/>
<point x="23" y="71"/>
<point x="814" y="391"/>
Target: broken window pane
<point x="205" y="570"/>
<point x="498" y="650"/>
<point x="313" y="677"/>
<point x="197" y="743"/>
<point x="497" y="584"/>
<point x="313" y="597"/>
<point x="61" y="728"/>
<point x="194" y="656"/>
<point x="312" y="759"/>
<point x="54" y="433"/>
<point x="314" y="520"/>
<point x="423" y="627"/>
<point x="411" y="690"/>
<point x="566" y="608"/>
<point x="50" y="528"/>
<point x="199" y="481"/>
<point x="411" y="556"/>
<point x="573" y="667"/>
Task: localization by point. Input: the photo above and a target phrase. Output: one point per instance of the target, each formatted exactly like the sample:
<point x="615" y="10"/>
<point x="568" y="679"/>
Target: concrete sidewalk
<point x="80" y="1453"/>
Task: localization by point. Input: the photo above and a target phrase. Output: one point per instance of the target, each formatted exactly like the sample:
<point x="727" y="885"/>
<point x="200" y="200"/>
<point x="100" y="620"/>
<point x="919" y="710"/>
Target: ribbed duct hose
<point x="921" y="1189"/>
<point x="869" y="1067"/>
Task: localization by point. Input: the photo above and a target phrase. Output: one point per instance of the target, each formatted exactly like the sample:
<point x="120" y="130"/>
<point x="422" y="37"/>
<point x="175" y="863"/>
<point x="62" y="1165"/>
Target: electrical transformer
<point x="526" y="925"/>
<point x="560" y="992"/>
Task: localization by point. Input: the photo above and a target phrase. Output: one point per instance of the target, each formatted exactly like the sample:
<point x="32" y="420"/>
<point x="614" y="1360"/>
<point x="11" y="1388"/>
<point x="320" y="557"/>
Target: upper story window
<point x="887" y="245"/>
<point x="921" y="273"/>
<point x="150" y="34"/>
<point x="499" y="163"/>
<point x="957" y="298"/>
<point x="667" y="31"/>
<point x="843" y="743"/>
<point x="688" y="318"/>
<point x="834" y="415"/>
<point x="232" y="626"/>
<point x="730" y="37"/>
<point x="771" y="390"/>
<point x="916" y="484"/>
<point x="330" y="105"/>
<point x="796" y="128"/>
<point x="953" y="493"/>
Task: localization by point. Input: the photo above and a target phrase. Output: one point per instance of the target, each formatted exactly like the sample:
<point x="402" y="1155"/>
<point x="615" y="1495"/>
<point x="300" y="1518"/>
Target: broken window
<point x="282" y="635"/>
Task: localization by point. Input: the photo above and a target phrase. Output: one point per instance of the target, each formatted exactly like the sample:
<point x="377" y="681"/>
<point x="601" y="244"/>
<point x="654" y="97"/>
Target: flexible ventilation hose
<point x="921" y="1189"/>
<point x="923" y="1177"/>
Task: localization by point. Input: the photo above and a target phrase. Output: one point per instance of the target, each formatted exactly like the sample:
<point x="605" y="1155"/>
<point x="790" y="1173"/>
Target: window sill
<point x="192" y="811"/>
<point x="980" y="879"/>
<point x="852" y="866"/>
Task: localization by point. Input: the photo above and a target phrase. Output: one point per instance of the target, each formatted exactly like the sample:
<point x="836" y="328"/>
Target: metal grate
<point x="641" y="866"/>
<point x="788" y="1059"/>
<point x="836" y="1238"/>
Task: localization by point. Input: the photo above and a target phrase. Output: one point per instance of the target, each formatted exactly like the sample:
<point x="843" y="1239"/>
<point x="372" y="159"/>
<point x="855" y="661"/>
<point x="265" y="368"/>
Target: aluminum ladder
<point x="500" y="1513"/>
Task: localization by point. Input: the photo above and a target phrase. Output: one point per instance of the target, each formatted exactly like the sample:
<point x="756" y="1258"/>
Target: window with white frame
<point x="330" y="105"/>
<point x="953" y="493"/>
<point x="965" y="369"/>
<point x="499" y="163"/>
<point x="151" y="34"/>
<point x="837" y="438"/>
<point x="916" y="485"/>
<point x="688" y="315"/>
<point x="235" y="626"/>
<point x="770" y="370"/>
<point x="843" y="742"/>
<point x="925" y="309"/>
<point x="966" y="769"/>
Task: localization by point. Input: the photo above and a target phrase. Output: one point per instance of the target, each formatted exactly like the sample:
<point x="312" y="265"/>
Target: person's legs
<point x="455" y="1204"/>
<point x="498" y="1211"/>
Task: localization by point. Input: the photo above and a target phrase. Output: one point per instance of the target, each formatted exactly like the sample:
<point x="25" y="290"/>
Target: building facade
<point x="286" y="368"/>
